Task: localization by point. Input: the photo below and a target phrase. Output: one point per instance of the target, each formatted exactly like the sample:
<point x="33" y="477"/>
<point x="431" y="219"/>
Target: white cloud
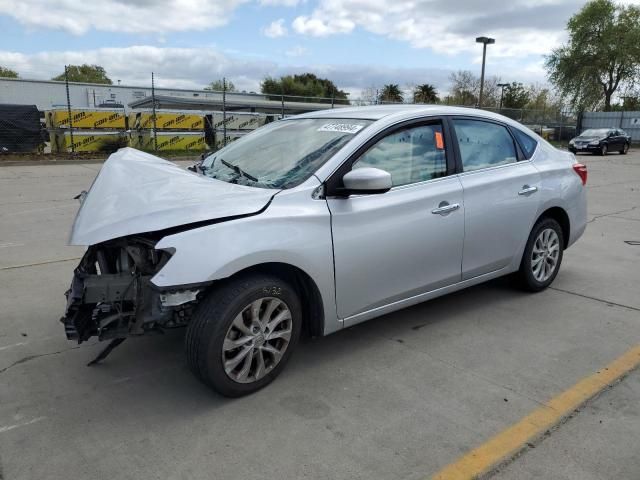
<point x="173" y="67"/>
<point x="275" y="29"/>
<point x="318" y="27"/>
<point x="279" y="3"/>
<point x="142" y="16"/>
<point x="196" y="67"/>
<point x="521" y="27"/>
<point x="193" y="68"/>
<point x="296" y="51"/>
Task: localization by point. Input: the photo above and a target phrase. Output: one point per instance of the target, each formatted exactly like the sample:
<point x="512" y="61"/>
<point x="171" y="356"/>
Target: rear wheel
<point x="243" y="333"/>
<point x="625" y="149"/>
<point x="542" y="255"/>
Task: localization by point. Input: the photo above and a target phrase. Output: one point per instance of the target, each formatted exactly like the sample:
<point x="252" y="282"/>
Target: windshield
<point x="282" y="154"/>
<point x="595" y="132"/>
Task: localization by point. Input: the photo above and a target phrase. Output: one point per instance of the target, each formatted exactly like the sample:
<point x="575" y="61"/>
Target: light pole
<point x="502" y="85"/>
<point x="484" y="41"/>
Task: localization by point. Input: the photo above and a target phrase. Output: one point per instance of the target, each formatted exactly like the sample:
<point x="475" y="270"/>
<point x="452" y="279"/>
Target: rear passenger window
<point x="484" y="144"/>
<point x="527" y="144"/>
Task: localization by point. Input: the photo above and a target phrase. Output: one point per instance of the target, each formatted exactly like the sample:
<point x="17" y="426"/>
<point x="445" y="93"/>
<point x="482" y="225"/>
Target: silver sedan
<point x="316" y="223"/>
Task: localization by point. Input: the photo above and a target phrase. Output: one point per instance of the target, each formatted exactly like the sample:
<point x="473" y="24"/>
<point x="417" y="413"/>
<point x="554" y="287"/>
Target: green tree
<point x="306" y="86"/>
<point x="629" y="100"/>
<point x="217" y="86"/>
<point x="391" y="93"/>
<point x="542" y="98"/>
<point x="631" y="103"/>
<point x="8" y="73"/>
<point x="425" y="93"/>
<point x="516" y="96"/>
<point x="465" y="90"/>
<point x="465" y="87"/>
<point x="85" y="73"/>
<point x="601" y="55"/>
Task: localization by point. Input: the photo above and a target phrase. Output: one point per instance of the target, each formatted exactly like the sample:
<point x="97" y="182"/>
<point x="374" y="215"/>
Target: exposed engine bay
<point x="112" y="297"/>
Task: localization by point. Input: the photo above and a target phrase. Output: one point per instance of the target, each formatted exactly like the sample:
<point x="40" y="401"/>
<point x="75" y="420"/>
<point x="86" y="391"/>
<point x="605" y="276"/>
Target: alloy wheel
<point x="257" y="339"/>
<point x="545" y="253"/>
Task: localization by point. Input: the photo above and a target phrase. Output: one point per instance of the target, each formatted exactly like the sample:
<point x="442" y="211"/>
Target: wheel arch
<point x="306" y="288"/>
<point x="560" y="215"/>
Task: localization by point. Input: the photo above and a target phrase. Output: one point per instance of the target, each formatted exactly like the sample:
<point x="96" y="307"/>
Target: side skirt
<point x="407" y="302"/>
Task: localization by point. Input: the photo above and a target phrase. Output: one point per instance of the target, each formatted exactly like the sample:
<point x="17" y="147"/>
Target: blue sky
<point x="356" y="43"/>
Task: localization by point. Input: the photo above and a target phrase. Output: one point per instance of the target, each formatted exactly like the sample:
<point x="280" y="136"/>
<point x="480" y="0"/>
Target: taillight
<point x="581" y="170"/>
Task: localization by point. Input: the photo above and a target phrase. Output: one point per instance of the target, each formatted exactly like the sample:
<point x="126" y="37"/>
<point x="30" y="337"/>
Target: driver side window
<point x="410" y="155"/>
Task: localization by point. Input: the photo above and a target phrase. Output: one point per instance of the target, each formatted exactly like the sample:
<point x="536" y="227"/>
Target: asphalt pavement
<point x="397" y="397"/>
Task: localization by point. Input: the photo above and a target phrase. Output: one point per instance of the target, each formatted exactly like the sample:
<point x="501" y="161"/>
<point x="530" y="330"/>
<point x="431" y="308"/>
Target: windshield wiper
<point x="238" y="170"/>
<point x="310" y="157"/>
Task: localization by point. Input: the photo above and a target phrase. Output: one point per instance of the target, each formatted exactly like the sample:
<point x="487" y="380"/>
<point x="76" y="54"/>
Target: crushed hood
<point x="136" y="192"/>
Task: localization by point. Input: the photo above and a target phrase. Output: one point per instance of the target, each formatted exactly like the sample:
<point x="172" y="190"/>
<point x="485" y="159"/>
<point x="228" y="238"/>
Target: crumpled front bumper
<point x="109" y="306"/>
<point x="118" y="305"/>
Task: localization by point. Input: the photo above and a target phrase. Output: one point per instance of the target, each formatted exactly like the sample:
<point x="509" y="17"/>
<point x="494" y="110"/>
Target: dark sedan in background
<point x="601" y="141"/>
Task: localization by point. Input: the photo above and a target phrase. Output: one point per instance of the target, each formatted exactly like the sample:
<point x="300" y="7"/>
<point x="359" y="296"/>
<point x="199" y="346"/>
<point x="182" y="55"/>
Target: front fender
<point x="295" y="230"/>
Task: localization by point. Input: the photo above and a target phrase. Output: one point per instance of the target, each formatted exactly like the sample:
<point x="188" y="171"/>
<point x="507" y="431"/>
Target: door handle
<point x="526" y="190"/>
<point x="445" y="208"/>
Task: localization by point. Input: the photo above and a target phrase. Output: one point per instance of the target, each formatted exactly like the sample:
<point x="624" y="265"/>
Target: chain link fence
<point x="187" y="122"/>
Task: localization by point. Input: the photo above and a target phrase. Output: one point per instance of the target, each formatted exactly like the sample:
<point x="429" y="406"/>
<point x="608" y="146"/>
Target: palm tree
<point x="391" y="94"/>
<point x="425" y="93"/>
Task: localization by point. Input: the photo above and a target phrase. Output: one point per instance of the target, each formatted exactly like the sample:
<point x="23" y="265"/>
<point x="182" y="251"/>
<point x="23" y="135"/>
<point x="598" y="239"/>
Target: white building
<point x="48" y="94"/>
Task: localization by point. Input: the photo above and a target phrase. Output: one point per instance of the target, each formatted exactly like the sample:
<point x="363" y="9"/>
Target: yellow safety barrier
<point x="88" y="141"/>
<point x="188" y="141"/>
<point x="92" y="119"/>
<point x="166" y="121"/>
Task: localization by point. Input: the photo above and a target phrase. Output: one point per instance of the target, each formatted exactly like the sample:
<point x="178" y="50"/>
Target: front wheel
<point x="243" y="333"/>
<point x="542" y="255"/>
<point x="603" y="150"/>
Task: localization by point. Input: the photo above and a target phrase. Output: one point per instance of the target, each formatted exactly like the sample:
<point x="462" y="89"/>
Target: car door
<point x="501" y="194"/>
<point x="391" y="246"/>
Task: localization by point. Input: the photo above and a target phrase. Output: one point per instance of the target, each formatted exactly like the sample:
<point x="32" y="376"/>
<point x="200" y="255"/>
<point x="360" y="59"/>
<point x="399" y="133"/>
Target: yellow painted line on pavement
<point x="514" y="439"/>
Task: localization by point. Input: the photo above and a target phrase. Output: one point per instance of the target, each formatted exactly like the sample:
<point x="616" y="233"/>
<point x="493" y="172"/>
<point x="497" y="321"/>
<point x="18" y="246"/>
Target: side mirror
<point x="366" y="181"/>
<point x="610" y="134"/>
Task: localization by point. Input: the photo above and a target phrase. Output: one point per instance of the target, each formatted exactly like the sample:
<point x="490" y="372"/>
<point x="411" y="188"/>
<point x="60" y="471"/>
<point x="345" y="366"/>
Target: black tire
<point x="625" y="149"/>
<point x="213" y="318"/>
<point x="525" y="274"/>
<point x="604" y="150"/>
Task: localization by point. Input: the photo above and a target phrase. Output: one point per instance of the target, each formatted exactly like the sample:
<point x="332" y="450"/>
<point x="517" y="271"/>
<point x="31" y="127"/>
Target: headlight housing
<point x="594" y="143"/>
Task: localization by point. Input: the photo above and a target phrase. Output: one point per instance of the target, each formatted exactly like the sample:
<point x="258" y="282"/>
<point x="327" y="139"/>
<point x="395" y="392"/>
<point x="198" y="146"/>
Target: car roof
<point x="400" y="111"/>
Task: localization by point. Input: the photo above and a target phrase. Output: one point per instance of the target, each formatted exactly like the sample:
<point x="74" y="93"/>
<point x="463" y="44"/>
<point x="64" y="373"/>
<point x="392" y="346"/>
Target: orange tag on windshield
<point x="439" y="141"/>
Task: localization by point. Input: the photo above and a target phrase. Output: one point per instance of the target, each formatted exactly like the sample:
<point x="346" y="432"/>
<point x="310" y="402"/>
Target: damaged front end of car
<point x="111" y="295"/>
<point x="135" y="201"/>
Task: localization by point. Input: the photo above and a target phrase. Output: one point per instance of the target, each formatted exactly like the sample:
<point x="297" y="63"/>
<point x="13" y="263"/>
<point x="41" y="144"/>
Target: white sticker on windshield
<point x="341" y="127"/>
